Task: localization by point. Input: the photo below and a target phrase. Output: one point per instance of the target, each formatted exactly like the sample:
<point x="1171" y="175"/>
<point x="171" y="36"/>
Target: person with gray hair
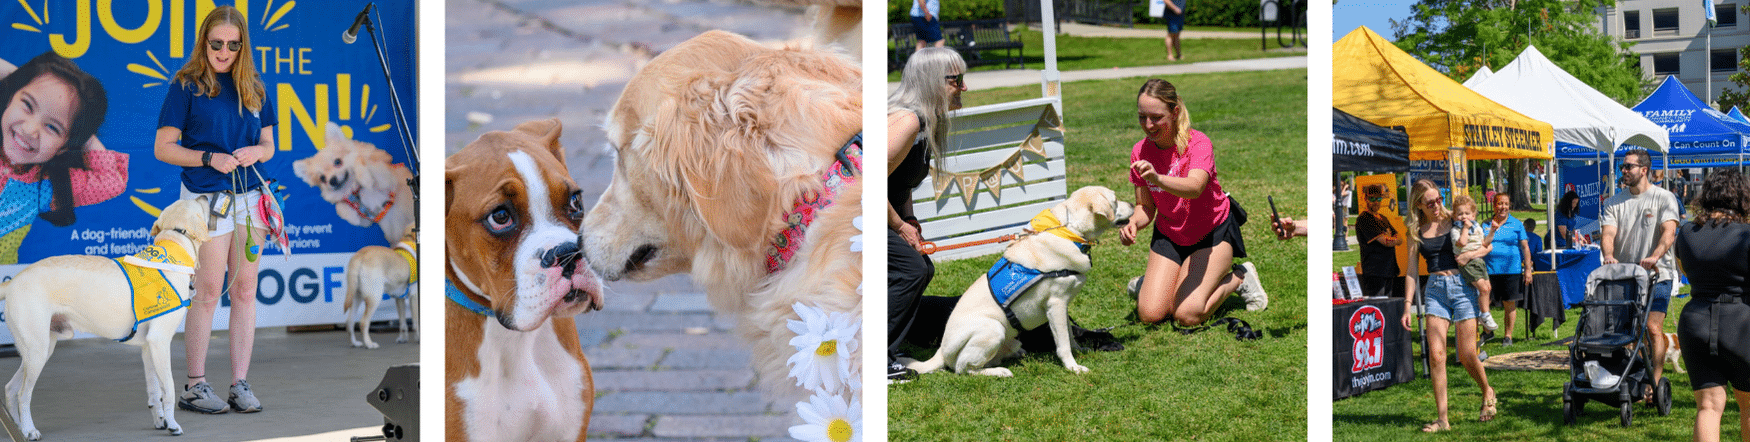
<point x="917" y="129"/>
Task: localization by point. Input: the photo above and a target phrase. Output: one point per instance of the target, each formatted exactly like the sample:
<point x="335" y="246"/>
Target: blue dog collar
<point x="455" y="295"/>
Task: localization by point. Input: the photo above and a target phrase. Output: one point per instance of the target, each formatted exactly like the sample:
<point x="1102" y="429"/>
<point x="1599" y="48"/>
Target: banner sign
<point x="1372" y="349"/>
<point x="134" y="49"/>
<point x="1583" y="179"/>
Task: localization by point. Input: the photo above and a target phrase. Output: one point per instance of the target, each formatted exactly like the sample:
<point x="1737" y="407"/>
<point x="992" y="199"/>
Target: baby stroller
<point x="1610" y="360"/>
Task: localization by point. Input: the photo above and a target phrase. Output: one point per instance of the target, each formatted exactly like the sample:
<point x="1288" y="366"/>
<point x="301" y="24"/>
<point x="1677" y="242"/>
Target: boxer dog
<point x="1673" y="353"/>
<point x="1052" y="263"/>
<point x="374" y="271"/>
<point x="57" y="296"/>
<point x="514" y="369"/>
<point x="739" y="164"/>
<point x="359" y="180"/>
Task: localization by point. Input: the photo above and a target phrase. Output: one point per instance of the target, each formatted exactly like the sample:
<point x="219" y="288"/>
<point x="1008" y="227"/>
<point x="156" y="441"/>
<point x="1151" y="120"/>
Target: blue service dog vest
<point x="152" y="294"/>
<point x="1008" y="279"/>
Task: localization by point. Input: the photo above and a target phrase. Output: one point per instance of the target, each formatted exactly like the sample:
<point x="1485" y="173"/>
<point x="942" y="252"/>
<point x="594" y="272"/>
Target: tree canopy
<point x="1460" y="37"/>
<point x="1740" y="96"/>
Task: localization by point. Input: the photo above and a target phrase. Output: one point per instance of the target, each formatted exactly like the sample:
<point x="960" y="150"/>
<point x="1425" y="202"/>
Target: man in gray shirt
<point x="1638" y="226"/>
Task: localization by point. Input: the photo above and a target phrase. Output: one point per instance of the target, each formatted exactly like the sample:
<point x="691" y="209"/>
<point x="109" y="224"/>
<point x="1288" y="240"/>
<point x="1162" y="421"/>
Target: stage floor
<point x="309" y="383"/>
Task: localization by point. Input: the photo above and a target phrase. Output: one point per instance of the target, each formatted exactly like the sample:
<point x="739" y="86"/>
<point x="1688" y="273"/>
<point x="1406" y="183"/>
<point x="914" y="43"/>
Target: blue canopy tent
<point x="1700" y="135"/>
<point x="1735" y="113"/>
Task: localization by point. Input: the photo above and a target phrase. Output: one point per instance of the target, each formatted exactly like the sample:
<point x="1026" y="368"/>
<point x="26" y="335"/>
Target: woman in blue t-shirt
<point x="217" y="123"/>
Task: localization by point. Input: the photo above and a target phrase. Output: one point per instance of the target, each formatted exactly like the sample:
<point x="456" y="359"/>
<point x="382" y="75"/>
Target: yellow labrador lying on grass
<point x="1030" y="286"/>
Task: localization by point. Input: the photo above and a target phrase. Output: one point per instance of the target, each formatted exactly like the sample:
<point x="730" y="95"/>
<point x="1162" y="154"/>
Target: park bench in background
<point x="980" y="42"/>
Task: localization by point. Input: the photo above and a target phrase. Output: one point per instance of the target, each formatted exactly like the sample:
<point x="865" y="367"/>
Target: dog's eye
<point x="577" y="205"/>
<point x="337" y="162"/>
<point x="500" y="221"/>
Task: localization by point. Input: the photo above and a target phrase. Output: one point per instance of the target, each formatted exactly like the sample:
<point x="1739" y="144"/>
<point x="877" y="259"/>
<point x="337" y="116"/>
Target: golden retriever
<point x="359" y="180"/>
<point x="715" y="140"/>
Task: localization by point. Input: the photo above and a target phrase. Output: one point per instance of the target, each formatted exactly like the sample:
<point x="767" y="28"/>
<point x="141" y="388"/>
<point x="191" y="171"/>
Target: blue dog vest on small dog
<point x="1008" y="279"/>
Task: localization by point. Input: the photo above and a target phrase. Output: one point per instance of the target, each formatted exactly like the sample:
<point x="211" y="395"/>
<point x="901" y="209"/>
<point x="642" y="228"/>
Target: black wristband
<point x="206" y="159"/>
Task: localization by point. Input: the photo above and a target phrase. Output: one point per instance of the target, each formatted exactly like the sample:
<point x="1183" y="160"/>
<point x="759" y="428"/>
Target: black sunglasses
<point x="235" y="45"/>
<point x="1627" y="166"/>
<point x="958" y="80"/>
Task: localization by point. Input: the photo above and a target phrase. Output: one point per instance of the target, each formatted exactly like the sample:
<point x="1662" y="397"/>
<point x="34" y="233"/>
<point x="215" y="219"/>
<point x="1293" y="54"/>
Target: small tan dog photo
<point x="1031" y="285"/>
<point x="375" y="271"/>
<point x="359" y="179"/>
<point x="53" y="298"/>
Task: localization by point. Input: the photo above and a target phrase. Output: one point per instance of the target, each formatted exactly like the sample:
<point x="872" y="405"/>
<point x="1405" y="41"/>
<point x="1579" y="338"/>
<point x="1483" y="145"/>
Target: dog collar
<point x="848" y="163"/>
<point x="455" y="295"/>
<point x="1045" y="222"/>
<point x="352" y="200"/>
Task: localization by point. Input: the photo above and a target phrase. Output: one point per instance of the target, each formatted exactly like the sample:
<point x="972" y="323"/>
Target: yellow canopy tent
<point x="1374" y="80"/>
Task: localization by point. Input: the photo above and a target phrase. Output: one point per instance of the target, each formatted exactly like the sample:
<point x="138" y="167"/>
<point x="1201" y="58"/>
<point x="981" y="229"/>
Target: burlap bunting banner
<point x="992" y="177"/>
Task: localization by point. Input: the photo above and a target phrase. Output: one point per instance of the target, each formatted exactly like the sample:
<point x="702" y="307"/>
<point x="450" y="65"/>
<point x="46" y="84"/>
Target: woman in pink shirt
<point x="1197" y="226"/>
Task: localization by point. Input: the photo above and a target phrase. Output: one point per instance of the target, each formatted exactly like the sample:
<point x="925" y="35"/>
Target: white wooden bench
<point x="984" y="137"/>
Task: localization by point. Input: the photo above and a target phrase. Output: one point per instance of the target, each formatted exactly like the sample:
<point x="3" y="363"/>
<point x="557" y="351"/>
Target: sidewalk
<point x="979" y="80"/>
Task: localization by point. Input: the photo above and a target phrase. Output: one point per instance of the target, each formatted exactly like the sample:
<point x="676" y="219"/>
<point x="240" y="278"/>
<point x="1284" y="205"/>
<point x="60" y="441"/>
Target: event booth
<point x="1444" y="121"/>
<point x="1369" y="353"/>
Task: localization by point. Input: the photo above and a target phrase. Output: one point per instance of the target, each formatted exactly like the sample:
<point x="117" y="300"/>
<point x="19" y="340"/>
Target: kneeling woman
<point x="1450" y="301"/>
<point x="1190" y="265"/>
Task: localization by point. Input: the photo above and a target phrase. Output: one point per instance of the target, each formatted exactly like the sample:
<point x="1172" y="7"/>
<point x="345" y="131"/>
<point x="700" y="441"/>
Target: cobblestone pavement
<point x="665" y="367"/>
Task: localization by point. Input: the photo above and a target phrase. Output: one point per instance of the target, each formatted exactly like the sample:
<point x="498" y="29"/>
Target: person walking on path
<point x="1638" y="226"/>
<point x="926" y="20"/>
<point x="1175" y="17"/>
<point x="1450" y="303"/>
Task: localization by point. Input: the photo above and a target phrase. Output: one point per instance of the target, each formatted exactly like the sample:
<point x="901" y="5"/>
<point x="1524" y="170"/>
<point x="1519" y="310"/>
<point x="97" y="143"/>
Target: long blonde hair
<point x="1164" y="91"/>
<point x="1415" y="220"/>
<point x="199" y="72"/>
<point x="921" y="92"/>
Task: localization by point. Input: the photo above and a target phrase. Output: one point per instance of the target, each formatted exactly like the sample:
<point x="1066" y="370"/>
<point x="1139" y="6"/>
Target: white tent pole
<point x="1050" y="78"/>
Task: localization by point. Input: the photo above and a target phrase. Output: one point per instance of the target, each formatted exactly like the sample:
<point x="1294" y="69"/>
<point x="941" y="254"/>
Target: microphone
<point x="352" y="33"/>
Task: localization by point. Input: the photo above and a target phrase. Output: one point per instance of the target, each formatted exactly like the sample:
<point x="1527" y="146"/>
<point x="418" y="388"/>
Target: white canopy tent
<point x="1582" y="117"/>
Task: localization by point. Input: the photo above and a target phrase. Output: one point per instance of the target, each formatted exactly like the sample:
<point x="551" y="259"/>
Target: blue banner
<point x="134" y="48"/>
<point x="1583" y="178"/>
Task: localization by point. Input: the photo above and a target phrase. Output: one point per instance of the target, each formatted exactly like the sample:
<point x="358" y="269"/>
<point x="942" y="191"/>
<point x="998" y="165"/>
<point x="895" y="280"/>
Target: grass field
<point x="1531" y="402"/>
<point x="1163" y="386"/>
<point x="1078" y="53"/>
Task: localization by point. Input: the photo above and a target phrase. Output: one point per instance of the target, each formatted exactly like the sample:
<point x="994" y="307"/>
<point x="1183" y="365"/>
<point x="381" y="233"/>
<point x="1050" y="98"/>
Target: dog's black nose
<point x="564" y="256"/>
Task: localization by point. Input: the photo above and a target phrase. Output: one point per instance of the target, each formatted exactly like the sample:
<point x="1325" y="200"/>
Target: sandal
<point x="1489" y="410"/>
<point x="1436" y="427"/>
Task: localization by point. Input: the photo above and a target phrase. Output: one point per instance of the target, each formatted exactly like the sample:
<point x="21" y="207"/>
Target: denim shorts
<point x="1449" y="298"/>
<point x="1661" y="302"/>
<point x="929" y="31"/>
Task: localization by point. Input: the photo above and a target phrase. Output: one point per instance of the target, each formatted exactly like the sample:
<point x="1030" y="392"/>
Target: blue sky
<point x="1347" y="15"/>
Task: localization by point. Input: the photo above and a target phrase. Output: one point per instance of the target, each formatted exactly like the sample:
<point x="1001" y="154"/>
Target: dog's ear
<point x="451" y="170"/>
<point x="708" y="144"/>
<point x="376" y="164"/>
<point x="332" y="132"/>
<point x="547" y="131"/>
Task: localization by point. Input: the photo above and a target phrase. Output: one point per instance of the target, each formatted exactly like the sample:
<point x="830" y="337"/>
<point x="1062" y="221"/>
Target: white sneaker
<point x="1489" y="322"/>
<point x="1135" y="287"/>
<point x="1250" y="289"/>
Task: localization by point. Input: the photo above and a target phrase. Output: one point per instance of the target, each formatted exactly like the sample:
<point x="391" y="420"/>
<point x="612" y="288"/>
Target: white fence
<point x="1014" y="150"/>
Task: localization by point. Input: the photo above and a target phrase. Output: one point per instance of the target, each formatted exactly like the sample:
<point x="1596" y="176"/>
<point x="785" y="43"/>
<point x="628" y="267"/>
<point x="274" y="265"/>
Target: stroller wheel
<point x="1570" y="411"/>
<point x="1662" y="396"/>
<point x="1628" y="413"/>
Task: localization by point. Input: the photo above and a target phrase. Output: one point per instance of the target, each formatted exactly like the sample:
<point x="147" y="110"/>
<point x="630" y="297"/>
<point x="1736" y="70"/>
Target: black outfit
<point x="1227" y="231"/>
<point x="1714" y="328"/>
<point x="1379" y="265"/>
<point x="1439" y="253"/>
<point x="908" y="272"/>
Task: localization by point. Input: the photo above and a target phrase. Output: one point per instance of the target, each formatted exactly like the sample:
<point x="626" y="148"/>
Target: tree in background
<point x="1738" y="97"/>
<point x="1460" y="37"/>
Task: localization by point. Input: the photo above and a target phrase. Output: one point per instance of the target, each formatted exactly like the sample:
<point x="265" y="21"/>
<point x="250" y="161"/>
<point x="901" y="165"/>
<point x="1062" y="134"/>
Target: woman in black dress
<point x="1713" y="249"/>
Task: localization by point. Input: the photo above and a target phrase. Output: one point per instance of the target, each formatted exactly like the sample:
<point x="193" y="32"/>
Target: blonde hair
<point x="1463" y="199"/>
<point x="199" y="72"/>
<point x="1415" y="220"/>
<point x="1163" y="90"/>
<point x="921" y="91"/>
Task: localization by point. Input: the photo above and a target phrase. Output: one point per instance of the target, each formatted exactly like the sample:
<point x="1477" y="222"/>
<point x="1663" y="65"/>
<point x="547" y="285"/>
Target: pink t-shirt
<point x="1185" y="221"/>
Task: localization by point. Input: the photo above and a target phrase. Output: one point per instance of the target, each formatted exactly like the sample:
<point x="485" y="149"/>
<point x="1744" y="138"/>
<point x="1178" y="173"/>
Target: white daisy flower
<point x="824" y="344"/>
<point x="857" y="240"/>
<point x="828" y="419"/>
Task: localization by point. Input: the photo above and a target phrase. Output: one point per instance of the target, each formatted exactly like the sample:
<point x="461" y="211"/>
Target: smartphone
<point x="1273" y="215"/>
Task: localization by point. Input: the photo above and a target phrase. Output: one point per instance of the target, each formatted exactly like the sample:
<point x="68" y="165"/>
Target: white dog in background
<point x="375" y="271"/>
<point x="57" y="296"/>
<point x="359" y="179"/>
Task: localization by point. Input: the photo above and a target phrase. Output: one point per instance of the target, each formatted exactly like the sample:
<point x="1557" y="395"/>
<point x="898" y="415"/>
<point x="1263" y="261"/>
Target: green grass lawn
<point x="1079" y="53"/>
<point x="1163" y="386"/>
<point x="1531" y="403"/>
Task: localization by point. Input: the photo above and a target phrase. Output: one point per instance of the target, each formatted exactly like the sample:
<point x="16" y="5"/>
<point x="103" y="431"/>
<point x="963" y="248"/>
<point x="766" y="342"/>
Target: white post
<point x="1050" y="79"/>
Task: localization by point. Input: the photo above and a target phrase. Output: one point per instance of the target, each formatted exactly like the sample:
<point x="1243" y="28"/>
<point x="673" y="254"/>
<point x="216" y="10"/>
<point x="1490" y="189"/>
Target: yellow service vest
<point x="409" y="252"/>
<point x="153" y="295"/>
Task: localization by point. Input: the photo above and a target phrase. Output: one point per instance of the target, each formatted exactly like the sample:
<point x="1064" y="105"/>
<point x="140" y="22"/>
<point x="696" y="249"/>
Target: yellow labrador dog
<point x="57" y="296"/>
<point x="739" y="164"/>
<point x="374" y="271"/>
<point x="1030" y="286"/>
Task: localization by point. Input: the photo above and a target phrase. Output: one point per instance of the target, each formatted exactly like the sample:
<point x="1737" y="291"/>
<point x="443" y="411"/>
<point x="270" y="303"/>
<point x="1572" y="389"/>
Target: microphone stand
<point x="407" y="144"/>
